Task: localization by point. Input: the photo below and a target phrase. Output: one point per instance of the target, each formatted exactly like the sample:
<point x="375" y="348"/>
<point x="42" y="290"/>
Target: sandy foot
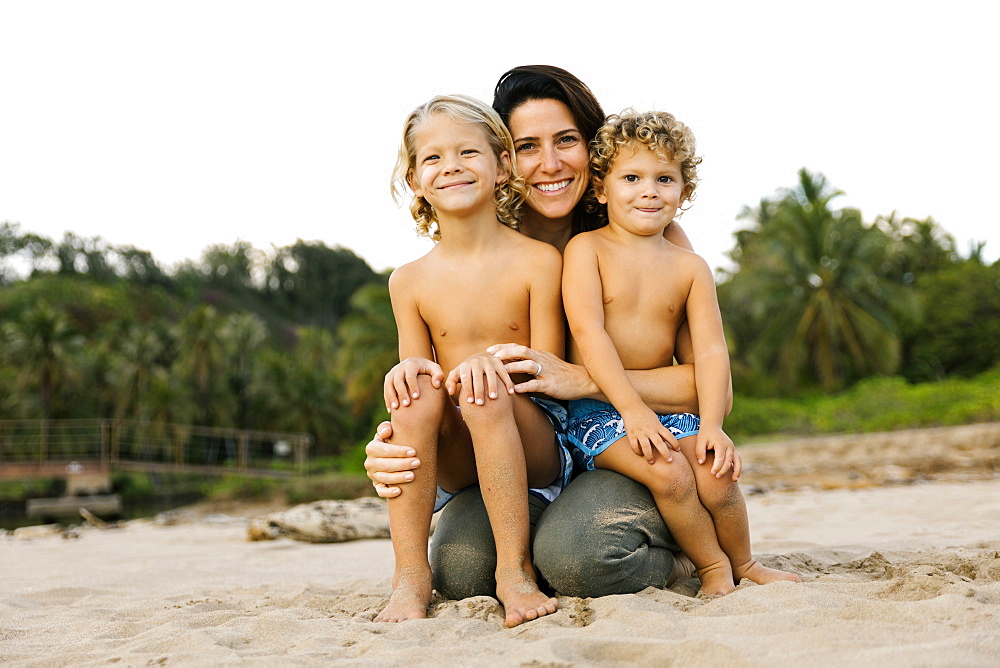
<point x="716" y="579"/>
<point x="411" y="595"/>
<point x="521" y="598"/>
<point x="755" y="571"/>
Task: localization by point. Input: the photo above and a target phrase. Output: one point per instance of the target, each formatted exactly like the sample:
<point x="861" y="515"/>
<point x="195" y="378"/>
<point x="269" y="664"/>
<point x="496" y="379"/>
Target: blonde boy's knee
<point x="428" y="407"/>
<point x="488" y="412"/>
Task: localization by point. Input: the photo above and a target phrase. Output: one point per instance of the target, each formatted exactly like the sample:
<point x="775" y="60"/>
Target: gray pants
<point x="603" y="535"/>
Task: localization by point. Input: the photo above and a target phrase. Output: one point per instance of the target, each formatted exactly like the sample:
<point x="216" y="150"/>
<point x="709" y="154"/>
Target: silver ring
<point x="539" y="372"/>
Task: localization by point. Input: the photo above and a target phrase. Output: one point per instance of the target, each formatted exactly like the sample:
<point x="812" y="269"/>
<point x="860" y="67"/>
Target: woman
<point x="603" y="534"/>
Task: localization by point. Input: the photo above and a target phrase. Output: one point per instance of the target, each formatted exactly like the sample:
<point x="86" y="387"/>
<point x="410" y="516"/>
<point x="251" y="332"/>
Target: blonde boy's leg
<point x="506" y="432"/>
<point x="672" y="485"/>
<point x="724" y="501"/>
<point x="416" y="425"/>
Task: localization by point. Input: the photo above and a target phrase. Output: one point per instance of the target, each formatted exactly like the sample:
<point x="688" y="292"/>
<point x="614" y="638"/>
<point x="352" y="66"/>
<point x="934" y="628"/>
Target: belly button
<point x="514" y="326"/>
<point x="443" y="332"/>
<point x="608" y="300"/>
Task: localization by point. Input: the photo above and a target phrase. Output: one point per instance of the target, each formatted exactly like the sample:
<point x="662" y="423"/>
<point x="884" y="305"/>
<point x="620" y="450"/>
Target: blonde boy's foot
<point x="716" y="580"/>
<point x="522" y="600"/>
<point x="409" y="600"/>
<point x="754" y="571"/>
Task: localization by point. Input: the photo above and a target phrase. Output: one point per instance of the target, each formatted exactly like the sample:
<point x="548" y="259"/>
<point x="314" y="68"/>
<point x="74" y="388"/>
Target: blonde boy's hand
<point x="478" y="374"/>
<point x="645" y="434"/>
<point x="401" y="382"/>
<point x="726" y="457"/>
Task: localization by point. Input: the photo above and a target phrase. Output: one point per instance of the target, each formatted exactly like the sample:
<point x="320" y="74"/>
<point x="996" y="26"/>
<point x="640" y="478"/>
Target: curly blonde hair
<point x="659" y="131"/>
<point x="508" y="195"/>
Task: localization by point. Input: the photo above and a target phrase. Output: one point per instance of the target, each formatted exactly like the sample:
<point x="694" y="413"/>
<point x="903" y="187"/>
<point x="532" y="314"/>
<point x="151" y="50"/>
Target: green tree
<point x="810" y="298"/>
<point x="368" y="350"/>
<point x="961" y="333"/>
<point x="43" y="345"/>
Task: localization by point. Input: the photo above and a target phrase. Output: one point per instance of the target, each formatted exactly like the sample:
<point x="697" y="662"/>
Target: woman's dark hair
<point x="547" y="82"/>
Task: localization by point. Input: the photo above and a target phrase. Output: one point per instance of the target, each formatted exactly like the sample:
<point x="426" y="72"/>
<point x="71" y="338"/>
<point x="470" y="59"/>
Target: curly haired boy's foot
<point x="716" y="580"/>
<point x="754" y="571"/>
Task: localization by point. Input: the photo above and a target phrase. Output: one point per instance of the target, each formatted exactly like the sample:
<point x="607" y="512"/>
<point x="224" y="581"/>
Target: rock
<point x="325" y="522"/>
<point x="38" y="531"/>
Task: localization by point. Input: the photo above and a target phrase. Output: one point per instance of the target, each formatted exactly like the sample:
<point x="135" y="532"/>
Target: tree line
<point x="299" y="338"/>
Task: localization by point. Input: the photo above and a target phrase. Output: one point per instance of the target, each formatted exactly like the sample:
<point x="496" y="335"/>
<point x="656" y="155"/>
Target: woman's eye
<point x="526" y="146"/>
<point x="569" y="139"/>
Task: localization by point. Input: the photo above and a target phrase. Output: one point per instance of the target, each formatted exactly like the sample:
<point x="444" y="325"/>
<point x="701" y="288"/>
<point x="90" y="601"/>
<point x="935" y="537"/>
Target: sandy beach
<point x="896" y="537"/>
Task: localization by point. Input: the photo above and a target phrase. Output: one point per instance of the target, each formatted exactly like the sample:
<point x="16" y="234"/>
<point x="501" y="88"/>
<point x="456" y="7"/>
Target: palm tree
<point x="43" y="345"/>
<point x="202" y="362"/>
<point x="811" y="290"/>
<point x="368" y="347"/>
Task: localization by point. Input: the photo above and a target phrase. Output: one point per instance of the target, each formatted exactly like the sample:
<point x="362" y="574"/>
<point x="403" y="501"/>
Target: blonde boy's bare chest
<point x="467" y="311"/>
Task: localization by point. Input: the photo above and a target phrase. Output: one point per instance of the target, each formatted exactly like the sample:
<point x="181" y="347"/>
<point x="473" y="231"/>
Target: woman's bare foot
<point x="683" y="568"/>
<point x="411" y="594"/>
<point x="716" y="579"/>
<point x="522" y="600"/>
<point x="754" y="571"/>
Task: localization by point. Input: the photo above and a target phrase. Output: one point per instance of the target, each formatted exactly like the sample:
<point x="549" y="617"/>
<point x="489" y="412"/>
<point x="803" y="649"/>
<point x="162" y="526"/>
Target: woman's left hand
<point x="552" y="376"/>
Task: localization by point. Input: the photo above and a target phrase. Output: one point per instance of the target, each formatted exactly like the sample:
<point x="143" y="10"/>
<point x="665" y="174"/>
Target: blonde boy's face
<point x="642" y="190"/>
<point x="455" y="169"/>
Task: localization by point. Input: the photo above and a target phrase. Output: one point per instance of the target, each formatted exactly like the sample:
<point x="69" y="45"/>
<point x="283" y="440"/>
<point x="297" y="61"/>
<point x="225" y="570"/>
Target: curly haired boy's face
<point x="454" y="169"/>
<point x="642" y="190"/>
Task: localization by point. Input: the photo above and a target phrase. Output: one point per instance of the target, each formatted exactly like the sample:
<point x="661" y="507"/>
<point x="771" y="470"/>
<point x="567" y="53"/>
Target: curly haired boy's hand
<point x="726" y="457"/>
<point x="645" y="435"/>
<point x="400" y="384"/>
<point x="478" y="374"/>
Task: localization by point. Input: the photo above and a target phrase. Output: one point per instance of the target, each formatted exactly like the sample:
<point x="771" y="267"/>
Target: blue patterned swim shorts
<point x="556" y="413"/>
<point x="595" y="425"/>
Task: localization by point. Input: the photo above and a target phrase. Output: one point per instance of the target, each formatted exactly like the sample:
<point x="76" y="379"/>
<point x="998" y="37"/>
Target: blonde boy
<point x="627" y="290"/>
<point x="483" y="282"/>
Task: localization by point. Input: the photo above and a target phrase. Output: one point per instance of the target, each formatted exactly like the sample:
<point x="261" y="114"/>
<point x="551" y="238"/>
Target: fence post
<point x="242" y="453"/>
<point x="105" y="445"/>
<point x="43" y="442"/>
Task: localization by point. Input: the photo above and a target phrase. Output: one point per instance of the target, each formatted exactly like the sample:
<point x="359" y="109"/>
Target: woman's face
<point x="552" y="156"/>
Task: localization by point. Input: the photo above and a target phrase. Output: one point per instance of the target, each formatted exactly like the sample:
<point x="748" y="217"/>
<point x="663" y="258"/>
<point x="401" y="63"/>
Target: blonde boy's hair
<point x="508" y="195"/>
<point x="656" y="130"/>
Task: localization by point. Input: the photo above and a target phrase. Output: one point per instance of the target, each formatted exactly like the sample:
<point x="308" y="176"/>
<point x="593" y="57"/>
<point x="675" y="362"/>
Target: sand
<point x="900" y="562"/>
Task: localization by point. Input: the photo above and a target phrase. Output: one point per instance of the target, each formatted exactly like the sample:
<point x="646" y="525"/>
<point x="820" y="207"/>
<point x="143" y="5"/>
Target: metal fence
<point x="38" y="447"/>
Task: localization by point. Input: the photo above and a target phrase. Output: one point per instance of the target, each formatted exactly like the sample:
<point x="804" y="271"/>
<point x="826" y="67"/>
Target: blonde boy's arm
<point x="416" y="353"/>
<point x="548" y="331"/>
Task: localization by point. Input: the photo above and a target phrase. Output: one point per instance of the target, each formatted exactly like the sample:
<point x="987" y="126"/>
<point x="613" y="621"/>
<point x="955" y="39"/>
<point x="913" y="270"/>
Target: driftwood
<point x="324" y="522"/>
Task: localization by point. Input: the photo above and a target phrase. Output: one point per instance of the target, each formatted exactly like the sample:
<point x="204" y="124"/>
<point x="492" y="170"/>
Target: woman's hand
<point x="387" y="464"/>
<point x="478" y="374"/>
<point x="726" y="456"/>
<point x="645" y="434"/>
<point x="553" y="376"/>
<point x="400" y="384"/>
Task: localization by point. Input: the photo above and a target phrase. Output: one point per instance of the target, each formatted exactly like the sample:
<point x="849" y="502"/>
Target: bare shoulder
<point x="534" y="252"/>
<point x="407" y="275"/>
<point x="583" y="242"/>
<point x="689" y="263"/>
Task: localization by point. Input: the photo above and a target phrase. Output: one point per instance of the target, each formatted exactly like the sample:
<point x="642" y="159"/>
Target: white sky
<point x="175" y="125"/>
